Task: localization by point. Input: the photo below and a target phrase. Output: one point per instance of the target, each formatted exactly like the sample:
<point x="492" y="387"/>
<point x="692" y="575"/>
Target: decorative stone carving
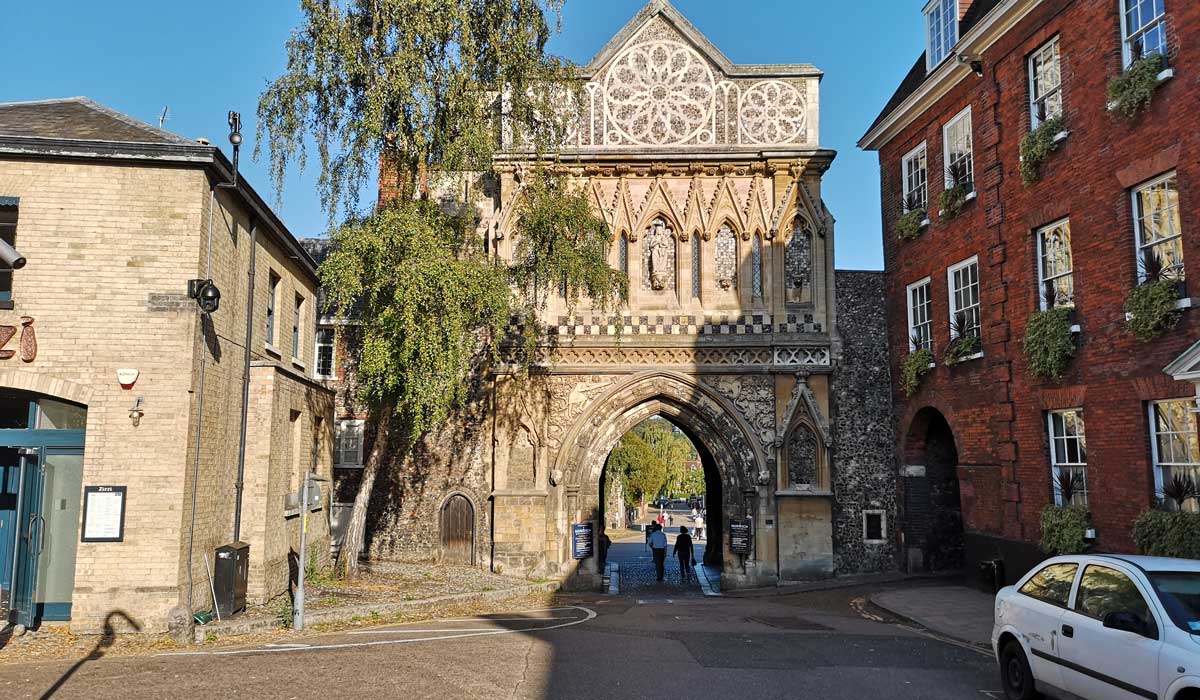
<point x="659" y="93"/>
<point x="798" y="263"/>
<point x="569" y="397"/>
<point x="802" y="456"/>
<point x="658" y="260"/>
<point x="773" y="111"/>
<point x="726" y="258"/>
<point x="754" y="398"/>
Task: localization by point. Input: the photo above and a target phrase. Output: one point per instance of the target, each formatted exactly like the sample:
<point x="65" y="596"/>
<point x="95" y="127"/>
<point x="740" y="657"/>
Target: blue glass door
<point x="31" y="531"/>
<point x="10" y="482"/>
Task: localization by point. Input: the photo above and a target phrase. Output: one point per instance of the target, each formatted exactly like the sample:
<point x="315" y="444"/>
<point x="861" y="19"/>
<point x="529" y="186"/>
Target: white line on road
<point x="589" y="615"/>
<point x="504" y="619"/>
<point x="447" y="631"/>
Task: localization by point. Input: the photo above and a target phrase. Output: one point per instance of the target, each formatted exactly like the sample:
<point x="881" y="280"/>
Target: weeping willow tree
<point x="422" y="90"/>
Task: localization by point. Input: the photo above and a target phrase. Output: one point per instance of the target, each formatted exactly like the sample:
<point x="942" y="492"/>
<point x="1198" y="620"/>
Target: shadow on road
<point x="106" y="640"/>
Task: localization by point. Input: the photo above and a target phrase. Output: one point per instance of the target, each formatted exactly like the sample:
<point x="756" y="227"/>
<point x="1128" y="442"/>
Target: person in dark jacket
<point x="686" y="553"/>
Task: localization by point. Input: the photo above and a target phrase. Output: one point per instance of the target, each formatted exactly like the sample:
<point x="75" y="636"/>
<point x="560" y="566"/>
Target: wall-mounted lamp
<point x="136" y="412"/>
<point x="206" y="295"/>
<point x="976" y="63"/>
<point x="235" y="139"/>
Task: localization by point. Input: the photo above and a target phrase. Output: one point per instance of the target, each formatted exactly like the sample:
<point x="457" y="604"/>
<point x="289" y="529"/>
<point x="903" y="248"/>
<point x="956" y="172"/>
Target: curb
<point x="935" y="632"/>
<point x="791" y="587"/>
<point x="235" y="628"/>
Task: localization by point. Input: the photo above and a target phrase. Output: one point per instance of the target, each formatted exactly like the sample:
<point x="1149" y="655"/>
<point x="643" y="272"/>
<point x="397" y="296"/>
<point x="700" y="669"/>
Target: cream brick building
<point x="115" y="217"/>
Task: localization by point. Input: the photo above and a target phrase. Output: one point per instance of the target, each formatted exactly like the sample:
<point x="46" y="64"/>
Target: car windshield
<point x="1180" y="595"/>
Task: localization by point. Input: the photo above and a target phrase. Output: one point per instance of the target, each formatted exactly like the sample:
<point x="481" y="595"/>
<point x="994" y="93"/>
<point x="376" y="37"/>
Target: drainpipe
<point x="241" y="469"/>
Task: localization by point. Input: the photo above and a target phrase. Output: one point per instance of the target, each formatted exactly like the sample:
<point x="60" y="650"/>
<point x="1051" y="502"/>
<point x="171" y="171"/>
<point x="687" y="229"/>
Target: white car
<point x="1101" y="627"/>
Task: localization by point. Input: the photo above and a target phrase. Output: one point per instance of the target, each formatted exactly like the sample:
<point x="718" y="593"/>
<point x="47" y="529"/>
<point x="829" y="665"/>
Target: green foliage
<point x="1063" y="529"/>
<point x="1168" y="534"/>
<point x="1049" y="343"/>
<point x="909" y="226"/>
<point x="411" y="84"/>
<point x="1036" y="148"/>
<point x="914" y="367"/>
<point x="1133" y="90"/>
<point x="425" y="295"/>
<point x="561" y="242"/>
<point x="954" y="197"/>
<point x="1151" y="307"/>
<point x="966" y="342"/>
<point x="643" y="472"/>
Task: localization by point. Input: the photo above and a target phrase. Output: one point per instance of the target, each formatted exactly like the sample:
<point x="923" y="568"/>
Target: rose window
<point x="773" y="112"/>
<point x="660" y="93"/>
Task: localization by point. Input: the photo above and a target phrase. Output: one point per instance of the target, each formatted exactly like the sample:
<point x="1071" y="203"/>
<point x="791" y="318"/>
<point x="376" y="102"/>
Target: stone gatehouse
<point x="737" y="330"/>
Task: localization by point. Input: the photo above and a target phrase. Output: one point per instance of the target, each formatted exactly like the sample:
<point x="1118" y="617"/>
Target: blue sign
<point x="583" y="541"/>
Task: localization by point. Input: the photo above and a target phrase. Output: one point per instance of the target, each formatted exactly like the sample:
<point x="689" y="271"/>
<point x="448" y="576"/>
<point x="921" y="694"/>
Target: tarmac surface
<point x="809" y="645"/>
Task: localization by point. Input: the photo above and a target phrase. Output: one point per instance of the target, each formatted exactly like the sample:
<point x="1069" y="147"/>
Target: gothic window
<point x="802" y="456"/>
<point x="726" y="258"/>
<point x="696" y="267"/>
<point x="798" y="261"/>
<point x="623" y="254"/>
<point x="658" y="257"/>
<point x="756" y="267"/>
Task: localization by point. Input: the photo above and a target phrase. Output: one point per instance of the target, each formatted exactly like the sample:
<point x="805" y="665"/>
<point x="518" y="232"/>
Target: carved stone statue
<point x="660" y="255"/>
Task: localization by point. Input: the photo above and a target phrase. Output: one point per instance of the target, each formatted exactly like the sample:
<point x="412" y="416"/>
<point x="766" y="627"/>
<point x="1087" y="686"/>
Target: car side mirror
<point x="1125" y="622"/>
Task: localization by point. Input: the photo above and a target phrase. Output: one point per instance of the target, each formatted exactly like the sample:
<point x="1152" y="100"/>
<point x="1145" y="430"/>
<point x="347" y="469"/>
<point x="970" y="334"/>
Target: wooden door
<point x="458" y="531"/>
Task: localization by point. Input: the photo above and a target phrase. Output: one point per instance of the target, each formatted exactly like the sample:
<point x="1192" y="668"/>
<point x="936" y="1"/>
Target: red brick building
<point x="982" y="439"/>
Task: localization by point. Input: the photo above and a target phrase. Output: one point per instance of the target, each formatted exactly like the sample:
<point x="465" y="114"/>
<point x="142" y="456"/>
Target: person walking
<point x="671" y="519"/>
<point x="661" y="520"/>
<point x="699" y="527"/>
<point x="658" y="547"/>
<point x="686" y="554"/>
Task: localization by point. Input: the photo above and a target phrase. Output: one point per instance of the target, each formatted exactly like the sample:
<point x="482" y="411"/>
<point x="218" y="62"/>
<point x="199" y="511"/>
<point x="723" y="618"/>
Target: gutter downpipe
<point x="241" y="470"/>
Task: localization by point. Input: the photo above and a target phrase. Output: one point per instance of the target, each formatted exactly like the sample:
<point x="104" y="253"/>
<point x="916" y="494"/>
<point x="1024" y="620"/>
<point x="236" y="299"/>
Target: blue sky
<point x="203" y="59"/>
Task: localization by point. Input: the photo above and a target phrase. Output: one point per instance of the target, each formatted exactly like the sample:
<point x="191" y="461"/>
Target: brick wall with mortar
<point x="111" y="248"/>
<point x="995" y="407"/>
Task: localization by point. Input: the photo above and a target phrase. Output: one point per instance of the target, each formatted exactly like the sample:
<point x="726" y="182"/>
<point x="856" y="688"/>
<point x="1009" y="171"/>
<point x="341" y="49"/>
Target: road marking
<point x="588" y="616"/>
<point x="504" y="619"/>
<point x="287" y="646"/>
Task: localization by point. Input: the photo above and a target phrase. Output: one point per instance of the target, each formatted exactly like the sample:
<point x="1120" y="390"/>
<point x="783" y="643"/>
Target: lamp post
<point x="298" y="608"/>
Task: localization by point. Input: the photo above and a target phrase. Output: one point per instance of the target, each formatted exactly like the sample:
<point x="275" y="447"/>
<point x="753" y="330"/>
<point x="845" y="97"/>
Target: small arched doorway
<point x="933" y="522"/>
<point x="458" y="531"/>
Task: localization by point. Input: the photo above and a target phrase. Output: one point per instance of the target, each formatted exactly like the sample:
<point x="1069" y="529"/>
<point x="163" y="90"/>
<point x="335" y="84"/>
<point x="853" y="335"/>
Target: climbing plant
<point x="1133" y="90"/>
<point x="1036" y="148"/>
<point x="1049" y="343"/>
<point x="913" y="369"/>
<point x="411" y="87"/>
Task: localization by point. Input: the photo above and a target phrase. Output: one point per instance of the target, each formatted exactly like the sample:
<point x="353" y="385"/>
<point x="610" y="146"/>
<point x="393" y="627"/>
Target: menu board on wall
<point x="103" y="514"/>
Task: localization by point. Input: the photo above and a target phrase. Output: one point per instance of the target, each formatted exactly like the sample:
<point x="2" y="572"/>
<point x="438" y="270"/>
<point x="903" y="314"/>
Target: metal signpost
<point x="298" y="608"/>
<point x="740" y="536"/>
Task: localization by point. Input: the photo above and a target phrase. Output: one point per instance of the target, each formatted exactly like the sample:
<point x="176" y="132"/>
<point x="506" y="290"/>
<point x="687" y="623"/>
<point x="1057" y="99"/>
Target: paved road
<point x="637" y="569"/>
<point x="806" y="646"/>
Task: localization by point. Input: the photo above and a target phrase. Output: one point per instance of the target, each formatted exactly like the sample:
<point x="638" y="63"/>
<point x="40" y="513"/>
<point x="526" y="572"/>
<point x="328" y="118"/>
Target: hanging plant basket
<point x="1049" y="343"/>
<point x="1037" y="146"/>
<point x="1131" y="92"/>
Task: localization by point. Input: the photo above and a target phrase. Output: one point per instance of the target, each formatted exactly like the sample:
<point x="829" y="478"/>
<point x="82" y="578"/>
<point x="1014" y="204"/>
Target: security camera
<point x="11" y="256"/>
<point x="206" y="294"/>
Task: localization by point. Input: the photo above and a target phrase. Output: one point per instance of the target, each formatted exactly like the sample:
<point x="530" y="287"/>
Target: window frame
<point x="1041" y="268"/>
<point x="1076" y="599"/>
<point x="1156" y="461"/>
<point x="1056" y="465"/>
<point x="1034" y="120"/>
<point x="883" y="526"/>
<point x="1128" y="38"/>
<point x="970" y="159"/>
<point x="339" y="431"/>
<point x="1066" y="605"/>
<point x="951" y="291"/>
<point x="927" y="283"/>
<point x="7" y="297"/>
<point x="1139" y="247"/>
<point x="923" y="152"/>
<point x="297" y="323"/>
<point x="947" y="12"/>
<point x="317" y="345"/>
<point x="272" y="310"/>
<point x="757" y="283"/>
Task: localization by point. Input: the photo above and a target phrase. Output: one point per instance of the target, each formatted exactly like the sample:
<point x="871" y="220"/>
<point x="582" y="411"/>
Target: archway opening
<point x="660" y="475"/>
<point x="933" y="531"/>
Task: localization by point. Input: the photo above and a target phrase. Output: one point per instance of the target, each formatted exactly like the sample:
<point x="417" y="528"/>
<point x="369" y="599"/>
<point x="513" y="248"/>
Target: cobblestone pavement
<point x="637" y="570"/>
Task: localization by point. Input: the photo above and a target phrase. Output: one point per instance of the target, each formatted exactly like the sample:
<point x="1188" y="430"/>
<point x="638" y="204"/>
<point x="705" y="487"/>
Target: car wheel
<point x="1015" y="675"/>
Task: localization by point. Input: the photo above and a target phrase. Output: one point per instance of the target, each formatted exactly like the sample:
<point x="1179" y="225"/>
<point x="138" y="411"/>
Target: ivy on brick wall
<point x="1036" y="148"/>
<point x="1064" y="530"/>
<point x="914" y="368"/>
<point x="1049" y="343"/>
<point x="1133" y="90"/>
<point x="1151" y="308"/>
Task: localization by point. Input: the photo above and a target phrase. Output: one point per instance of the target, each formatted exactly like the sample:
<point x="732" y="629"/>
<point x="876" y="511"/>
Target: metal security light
<point x="11" y="256"/>
<point x="206" y="295"/>
<point x="235" y="139"/>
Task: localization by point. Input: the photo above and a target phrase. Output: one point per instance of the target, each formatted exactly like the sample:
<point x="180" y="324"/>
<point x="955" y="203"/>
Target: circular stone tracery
<point x="660" y="93"/>
<point x="773" y="112"/>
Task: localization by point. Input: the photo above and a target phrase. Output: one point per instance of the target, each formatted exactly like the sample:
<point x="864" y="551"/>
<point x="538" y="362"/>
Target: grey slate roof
<point x="79" y="119"/>
<point x="917" y="75"/>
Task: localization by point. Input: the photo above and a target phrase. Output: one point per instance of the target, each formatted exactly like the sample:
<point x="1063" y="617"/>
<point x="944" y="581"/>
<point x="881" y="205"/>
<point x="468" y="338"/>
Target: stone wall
<point x="864" y="473"/>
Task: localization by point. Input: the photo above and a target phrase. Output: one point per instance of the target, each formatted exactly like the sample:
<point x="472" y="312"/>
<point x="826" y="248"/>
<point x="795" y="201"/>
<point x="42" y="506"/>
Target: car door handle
<point x="1068" y="631"/>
